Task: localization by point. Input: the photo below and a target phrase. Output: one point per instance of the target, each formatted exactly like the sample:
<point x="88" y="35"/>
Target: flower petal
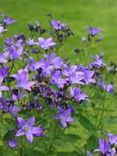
<point x="29" y="136"/>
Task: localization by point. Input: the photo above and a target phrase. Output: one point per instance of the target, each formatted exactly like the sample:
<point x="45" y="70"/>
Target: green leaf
<point x="86" y="123"/>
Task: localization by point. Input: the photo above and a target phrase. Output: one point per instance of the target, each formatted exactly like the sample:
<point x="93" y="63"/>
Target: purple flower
<point x="14" y="52"/>
<point x="3" y="57"/>
<point x="93" y="31"/>
<point x="58" y="80"/>
<point x="8" y="20"/>
<point x="18" y="96"/>
<point x="12" y="143"/>
<point x="64" y="116"/>
<point x="78" y="95"/>
<point x="3" y="88"/>
<point x="57" y="62"/>
<point x="23" y="79"/>
<point x="30" y="42"/>
<point x="74" y="76"/>
<point x="2" y="29"/>
<point x="108" y="87"/>
<point x="4" y="105"/>
<point x="98" y="62"/>
<point x="112" y="139"/>
<point x="88" y="76"/>
<point x="3" y="73"/>
<point x="46" y="44"/>
<point x="27" y="128"/>
<point x="14" y="110"/>
<point x="104" y="146"/>
<point x="57" y="25"/>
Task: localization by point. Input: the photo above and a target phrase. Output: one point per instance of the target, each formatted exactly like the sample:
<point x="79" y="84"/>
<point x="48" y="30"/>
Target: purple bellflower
<point x="57" y="25"/>
<point x="88" y="76"/>
<point x="98" y="62"/>
<point x="64" y="116"/>
<point x="108" y="87"/>
<point x="30" y="42"/>
<point x="3" y="73"/>
<point x="78" y="95"/>
<point x="46" y="44"/>
<point x="75" y="77"/>
<point x="112" y="139"/>
<point x="93" y="31"/>
<point x="12" y="143"/>
<point x="23" y="79"/>
<point x="104" y="146"/>
<point x="8" y="20"/>
<point x="14" y="52"/>
<point x="27" y="128"/>
<point x="58" y="80"/>
<point x="57" y="62"/>
<point x="14" y="110"/>
<point x="2" y="29"/>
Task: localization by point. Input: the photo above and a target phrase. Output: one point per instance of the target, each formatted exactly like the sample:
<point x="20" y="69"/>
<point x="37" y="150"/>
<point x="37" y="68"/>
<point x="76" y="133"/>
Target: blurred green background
<point x="78" y="14"/>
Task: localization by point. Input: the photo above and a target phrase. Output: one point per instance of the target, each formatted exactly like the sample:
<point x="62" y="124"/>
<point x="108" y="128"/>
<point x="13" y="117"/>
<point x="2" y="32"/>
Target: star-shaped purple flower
<point x="64" y="116"/>
<point x="8" y="20"/>
<point x="93" y="31"/>
<point x="78" y="95"/>
<point x="112" y="139"/>
<point x="98" y="62"/>
<point x="27" y="128"/>
<point x="12" y="143"/>
<point x="104" y="146"/>
<point x="58" y="80"/>
<point x="23" y="79"/>
<point x="46" y="44"/>
<point x="57" y="25"/>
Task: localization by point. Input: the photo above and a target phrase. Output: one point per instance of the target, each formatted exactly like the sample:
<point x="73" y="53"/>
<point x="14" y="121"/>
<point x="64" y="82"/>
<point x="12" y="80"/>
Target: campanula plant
<point x="42" y="94"/>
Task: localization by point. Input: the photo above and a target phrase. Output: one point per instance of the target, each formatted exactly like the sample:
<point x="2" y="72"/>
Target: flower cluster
<point x="4" y="22"/>
<point x="33" y="79"/>
<point x="107" y="147"/>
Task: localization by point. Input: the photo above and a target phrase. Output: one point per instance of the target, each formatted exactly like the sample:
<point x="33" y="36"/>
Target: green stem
<point x="102" y="114"/>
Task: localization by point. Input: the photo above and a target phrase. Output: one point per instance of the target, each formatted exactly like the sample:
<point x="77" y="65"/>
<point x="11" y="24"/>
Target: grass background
<point x="78" y="14"/>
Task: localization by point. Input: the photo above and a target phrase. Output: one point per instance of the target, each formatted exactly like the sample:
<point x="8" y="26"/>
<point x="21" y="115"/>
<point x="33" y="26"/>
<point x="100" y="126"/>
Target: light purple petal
<point x="29" y="136"/>
<point x="20" y="132"/>
<point x="21" y="122"/>
<point x="31" y="121"/>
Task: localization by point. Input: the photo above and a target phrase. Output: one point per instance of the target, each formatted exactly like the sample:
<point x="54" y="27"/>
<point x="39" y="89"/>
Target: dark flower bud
<point x="43" y="31"/>
<point x="35" y="90"/>
<point x="60" y="37"/>
<point x="9" y="79"/>
<point x="11" y="102"/>
<point x="36" y="77"/>
<point x="35" y="51"/>
<point x="39" y="107"/>
<point x="76" y="50"/>
<point x="20" y="37"/>
<point x="15" y="91"/>
<point x="31" y="106"/>
<point x="112" y="68"/>
<point x="49" y="15"/>
<point x="31" y="27"/>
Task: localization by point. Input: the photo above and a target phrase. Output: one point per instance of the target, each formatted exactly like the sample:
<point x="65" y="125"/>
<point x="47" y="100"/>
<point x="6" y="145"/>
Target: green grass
<point x="78" y="14"/>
